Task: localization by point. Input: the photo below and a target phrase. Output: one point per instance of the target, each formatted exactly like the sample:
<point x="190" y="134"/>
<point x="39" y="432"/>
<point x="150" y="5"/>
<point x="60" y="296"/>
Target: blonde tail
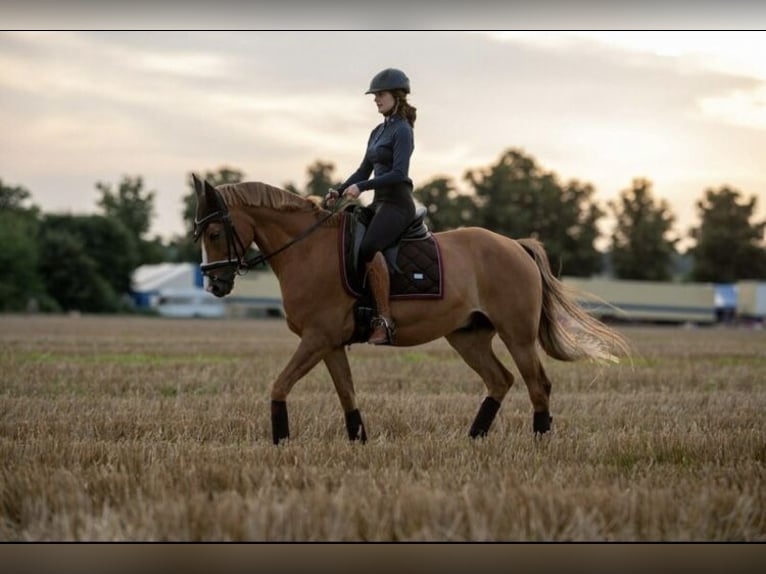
<point x="567" y="332"/>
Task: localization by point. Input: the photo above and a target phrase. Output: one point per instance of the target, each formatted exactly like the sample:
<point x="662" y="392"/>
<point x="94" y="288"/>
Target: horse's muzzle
<point x="220" y="286"/>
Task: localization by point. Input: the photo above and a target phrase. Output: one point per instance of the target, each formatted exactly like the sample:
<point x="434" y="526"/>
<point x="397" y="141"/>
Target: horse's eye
<point x="214" y="235"/>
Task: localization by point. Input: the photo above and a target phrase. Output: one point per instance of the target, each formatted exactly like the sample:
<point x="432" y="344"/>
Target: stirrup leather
<point x="390" y="328"/>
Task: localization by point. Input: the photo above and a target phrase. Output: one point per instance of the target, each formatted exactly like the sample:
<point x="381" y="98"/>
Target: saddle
<point x="414" y="264"/>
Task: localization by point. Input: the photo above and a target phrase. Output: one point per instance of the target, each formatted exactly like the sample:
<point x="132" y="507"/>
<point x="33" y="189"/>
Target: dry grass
<point x="153" y="429"/>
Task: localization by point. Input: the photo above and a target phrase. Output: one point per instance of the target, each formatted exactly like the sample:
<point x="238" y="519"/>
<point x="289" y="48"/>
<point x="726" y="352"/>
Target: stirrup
<point x="390" y="329"/>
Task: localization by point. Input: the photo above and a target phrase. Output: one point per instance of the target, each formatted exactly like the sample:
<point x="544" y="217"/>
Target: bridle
<point x="235" y="247"/>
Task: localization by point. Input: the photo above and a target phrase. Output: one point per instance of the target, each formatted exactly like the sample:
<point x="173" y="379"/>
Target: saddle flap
<point x="362" y="216"/>
<point x="414" y="261"/>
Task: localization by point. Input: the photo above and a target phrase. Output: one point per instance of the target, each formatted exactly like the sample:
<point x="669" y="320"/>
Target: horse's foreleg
<point x="337" y="363"/>
<point x="309" y="352"/>
<point x="475" y="346"/>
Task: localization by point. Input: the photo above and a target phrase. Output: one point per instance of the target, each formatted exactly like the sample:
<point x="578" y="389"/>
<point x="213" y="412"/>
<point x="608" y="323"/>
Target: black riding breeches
<point x="388" y="223"/>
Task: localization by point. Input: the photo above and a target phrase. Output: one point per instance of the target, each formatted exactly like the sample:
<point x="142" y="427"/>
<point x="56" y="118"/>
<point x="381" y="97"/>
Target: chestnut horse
<point x="491" y="285"/>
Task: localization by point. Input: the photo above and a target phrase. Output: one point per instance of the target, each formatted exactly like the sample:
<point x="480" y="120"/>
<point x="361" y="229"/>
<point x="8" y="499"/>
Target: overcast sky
<point x="686" y="110"/>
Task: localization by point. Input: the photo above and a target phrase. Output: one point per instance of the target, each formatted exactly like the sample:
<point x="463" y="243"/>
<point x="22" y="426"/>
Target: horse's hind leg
<point x="337" y="363"/>
<point x="538" y="385"/>
<point x="475" y="346"/>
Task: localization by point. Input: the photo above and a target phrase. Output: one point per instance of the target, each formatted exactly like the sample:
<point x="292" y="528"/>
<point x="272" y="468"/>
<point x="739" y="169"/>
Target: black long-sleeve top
<point x="388" y="153"/>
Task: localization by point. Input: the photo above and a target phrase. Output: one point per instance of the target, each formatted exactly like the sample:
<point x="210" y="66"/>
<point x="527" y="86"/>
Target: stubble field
<point x="155" y="429"/>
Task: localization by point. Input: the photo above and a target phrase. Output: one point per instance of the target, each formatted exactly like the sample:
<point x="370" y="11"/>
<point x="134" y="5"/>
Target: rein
<point x="235" y="247"/>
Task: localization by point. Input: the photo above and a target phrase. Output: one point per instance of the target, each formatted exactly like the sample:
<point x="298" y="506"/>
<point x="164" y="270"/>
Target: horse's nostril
<point x="220" y="288"/>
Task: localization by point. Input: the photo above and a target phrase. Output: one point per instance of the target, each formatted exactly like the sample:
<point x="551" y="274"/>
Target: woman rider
<point x="387" y="158"/>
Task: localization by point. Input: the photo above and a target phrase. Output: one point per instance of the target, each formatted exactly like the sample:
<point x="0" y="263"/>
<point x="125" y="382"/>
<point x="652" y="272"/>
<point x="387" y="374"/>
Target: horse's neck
<point x="275" y="229"/>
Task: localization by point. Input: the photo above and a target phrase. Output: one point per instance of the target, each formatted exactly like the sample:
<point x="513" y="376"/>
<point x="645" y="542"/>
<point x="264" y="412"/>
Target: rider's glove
<point x="331" y="197"/>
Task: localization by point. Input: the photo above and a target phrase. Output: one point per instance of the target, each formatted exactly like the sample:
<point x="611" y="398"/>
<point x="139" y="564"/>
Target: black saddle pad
<point x="415" y="266"/>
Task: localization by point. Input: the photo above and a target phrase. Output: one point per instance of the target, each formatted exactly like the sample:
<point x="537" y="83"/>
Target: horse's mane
<point x="259" y="194"/>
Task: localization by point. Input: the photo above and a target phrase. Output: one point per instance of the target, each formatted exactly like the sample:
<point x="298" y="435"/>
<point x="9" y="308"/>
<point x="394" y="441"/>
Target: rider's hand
<point x="352" y="191"/>
<point x="331" y="197"/>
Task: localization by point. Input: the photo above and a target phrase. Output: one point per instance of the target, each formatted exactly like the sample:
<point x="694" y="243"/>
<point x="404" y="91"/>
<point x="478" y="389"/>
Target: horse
<point x="492" y="285"/>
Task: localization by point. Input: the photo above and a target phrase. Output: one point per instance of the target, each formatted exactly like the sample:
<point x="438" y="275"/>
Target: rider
<point x="387" y="157"/>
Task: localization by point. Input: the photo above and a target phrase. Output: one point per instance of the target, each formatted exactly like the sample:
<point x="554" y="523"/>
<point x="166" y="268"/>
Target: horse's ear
<point x="211" y="195"/>
<point x="198" y="187"/>
<point x="199" y="190"/>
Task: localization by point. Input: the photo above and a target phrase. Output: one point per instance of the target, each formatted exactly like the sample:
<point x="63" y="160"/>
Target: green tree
<point x="131" y="205"/>
<point x="506" y="193"/>
<point x="320" y="179"/>
<point x="729" y="245"/>
<point x="20" y="284"/>
<point x="517" y="198"/>
<point x="574" y="233"/>
<point x="447" y="209"/>
<point x="642" y="247"/>
<point x="72" y="275"/>
<point x="105" y="242"/>
<point x="153" y="251"/>
<point x="13" y="198"/>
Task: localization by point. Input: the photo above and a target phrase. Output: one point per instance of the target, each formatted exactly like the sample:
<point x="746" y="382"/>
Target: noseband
<point x="235" y="247"/>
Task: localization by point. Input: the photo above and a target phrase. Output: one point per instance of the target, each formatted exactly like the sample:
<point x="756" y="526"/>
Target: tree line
<point x="62" y="262"/>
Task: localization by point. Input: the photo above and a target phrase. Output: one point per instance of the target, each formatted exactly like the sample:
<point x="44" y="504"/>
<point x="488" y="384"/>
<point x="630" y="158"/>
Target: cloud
<point x="740" y="107"/>
<point x="725" y="53"/>
<point x="195" y="65"/>
<point x="82" y="107"/>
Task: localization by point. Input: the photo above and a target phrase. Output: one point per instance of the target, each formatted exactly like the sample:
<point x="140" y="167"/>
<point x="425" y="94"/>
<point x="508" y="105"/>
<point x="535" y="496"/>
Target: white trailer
<point x="651" y="301"/>
<point x="751" y="299"/>
<point x="189" y="302"/>
<point x="256" y="294"/>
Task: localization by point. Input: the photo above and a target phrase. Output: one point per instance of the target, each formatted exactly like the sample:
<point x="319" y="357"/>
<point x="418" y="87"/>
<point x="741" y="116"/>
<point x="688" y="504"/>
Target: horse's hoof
<point x="484" y="418"/>
<point x="355" y="427"/>
<point x="541" y="422"/>
<point x="280" y="427"/>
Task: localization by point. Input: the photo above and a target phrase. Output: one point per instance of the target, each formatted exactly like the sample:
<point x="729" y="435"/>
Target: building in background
<point x="256" y="294"/>
<point x="176" y="290"/>
<point x="751" y="301"/>
<point x="646" y="301"/>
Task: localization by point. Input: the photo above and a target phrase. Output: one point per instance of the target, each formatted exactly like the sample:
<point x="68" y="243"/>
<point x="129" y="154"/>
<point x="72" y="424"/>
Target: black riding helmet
<point x="388" y="80"/>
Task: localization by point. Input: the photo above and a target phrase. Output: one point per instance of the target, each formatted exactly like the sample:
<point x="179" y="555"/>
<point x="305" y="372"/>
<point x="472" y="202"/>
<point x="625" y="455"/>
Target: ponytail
<point x="403" y="107"/>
